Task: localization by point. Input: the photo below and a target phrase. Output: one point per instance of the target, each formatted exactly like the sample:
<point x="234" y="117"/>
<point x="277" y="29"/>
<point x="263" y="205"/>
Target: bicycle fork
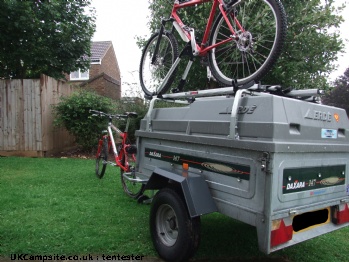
<point x="190" y="50"/>
<point x="162" y="29"/>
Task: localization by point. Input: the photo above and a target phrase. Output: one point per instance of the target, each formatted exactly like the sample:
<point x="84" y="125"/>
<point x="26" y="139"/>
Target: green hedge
<point x="72" y="112"/>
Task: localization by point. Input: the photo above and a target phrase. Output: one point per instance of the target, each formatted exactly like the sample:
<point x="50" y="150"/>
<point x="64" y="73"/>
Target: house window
<point x="79" y="75"/>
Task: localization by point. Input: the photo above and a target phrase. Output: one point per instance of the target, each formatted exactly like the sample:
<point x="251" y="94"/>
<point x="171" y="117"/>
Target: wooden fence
<point x="26" y="119"/>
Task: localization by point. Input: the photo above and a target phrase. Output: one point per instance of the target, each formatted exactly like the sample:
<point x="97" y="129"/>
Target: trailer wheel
<point x="174" y="234"/>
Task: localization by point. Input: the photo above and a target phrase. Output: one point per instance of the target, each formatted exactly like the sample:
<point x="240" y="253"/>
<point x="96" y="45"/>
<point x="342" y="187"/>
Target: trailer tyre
<point x="174" y="234"/>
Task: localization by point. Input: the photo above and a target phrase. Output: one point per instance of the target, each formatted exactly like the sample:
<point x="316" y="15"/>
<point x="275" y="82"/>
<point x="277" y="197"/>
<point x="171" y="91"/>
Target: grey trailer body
<point x="276" y="163"/>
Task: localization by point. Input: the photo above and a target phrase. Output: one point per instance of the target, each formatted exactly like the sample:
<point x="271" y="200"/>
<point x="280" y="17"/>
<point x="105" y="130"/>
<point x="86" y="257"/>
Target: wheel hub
<point x="167" y="225"/>
<point x="159" y="61"/>
<point x="172" y="223"/>
<point x="244" y="41"/>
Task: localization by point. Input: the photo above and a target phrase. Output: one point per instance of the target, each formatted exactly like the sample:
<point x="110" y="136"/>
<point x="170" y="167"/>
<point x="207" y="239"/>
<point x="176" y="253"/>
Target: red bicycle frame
<point x="111" y="144"/>
<point x="203" y="49"/>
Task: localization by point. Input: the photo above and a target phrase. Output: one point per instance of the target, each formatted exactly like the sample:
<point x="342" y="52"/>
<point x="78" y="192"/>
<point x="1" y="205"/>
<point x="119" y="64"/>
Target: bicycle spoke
<point x="243" y="62"/>
<point x="152" y="74"/>
<point x="222" y="52"/>
<point x="131" y="188"/>
<point x="255" y="47"/>
<point x="253" y="60"/>
<point x="266" y="48"/>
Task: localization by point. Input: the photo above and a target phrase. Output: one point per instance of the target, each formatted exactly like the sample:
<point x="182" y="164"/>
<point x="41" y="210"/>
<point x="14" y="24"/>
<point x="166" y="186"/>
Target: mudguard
<point x="194" y="187"/>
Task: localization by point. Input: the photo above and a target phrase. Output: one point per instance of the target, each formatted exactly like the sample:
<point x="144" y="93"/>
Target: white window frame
<point x="80" y="77"/>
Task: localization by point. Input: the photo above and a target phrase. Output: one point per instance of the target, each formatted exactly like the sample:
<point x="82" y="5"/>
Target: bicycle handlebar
<point x="116" y="116"/>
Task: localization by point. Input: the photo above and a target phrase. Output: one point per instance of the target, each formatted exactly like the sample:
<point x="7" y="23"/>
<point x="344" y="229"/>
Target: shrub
<point x="135" y="105"/>
<point x="73" y="113"/>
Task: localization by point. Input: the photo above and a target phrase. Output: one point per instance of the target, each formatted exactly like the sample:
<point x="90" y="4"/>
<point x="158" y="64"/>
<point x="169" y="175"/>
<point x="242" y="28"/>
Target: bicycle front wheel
<point x="255" y="48"/>
<point x="154" y="67"/>
<point x="132" y="189"/>
<point x="101" y="160"/>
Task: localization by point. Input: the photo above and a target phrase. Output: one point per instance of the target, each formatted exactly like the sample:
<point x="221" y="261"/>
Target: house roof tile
<point x="99" y="49"/>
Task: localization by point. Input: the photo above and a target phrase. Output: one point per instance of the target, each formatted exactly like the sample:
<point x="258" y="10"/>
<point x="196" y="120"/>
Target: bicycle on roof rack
<point x="241" y="42"/>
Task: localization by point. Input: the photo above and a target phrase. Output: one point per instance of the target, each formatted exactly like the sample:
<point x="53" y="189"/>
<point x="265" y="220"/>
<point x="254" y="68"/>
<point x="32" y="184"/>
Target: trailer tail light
<point x="280" y="233"/>
<point x="341" y="214"/>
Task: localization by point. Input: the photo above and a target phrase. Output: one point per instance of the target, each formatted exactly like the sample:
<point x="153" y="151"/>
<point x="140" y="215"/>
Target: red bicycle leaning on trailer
<point x="124" y="154"/>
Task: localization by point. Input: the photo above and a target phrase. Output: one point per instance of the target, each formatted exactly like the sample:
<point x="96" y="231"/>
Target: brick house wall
<point x="109" y="64"/>
<point x="104" y="86"/>
<point x="104" y="77"/>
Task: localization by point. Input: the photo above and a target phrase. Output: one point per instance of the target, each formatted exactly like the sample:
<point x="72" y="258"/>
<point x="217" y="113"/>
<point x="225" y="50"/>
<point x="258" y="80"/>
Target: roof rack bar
<point x="305" y="93"/>
<point x="201" y="93"/>
<point x="256" y="88"/>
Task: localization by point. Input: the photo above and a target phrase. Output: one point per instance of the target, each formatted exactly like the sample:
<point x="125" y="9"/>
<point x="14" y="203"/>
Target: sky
<point x="120" y="21"/>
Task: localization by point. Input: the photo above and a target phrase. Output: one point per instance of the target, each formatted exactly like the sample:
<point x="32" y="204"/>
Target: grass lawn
<point x="58" y="206"/>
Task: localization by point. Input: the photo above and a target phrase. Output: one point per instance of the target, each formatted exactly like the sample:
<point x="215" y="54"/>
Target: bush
<point x="135" y="105"/>
<point x="73" y="113"/>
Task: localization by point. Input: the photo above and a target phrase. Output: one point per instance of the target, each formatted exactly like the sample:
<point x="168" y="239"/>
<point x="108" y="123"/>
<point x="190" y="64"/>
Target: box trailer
<point x="275" y="162"/>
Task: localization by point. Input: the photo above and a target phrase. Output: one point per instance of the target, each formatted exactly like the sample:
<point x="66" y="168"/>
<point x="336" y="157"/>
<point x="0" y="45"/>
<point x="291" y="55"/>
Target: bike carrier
<point x="310" y="95"/>
<point x="257" y="89"/>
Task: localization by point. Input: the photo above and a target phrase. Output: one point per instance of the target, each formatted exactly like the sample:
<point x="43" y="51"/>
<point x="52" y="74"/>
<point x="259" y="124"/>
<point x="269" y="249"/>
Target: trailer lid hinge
<point x="265" y="159"/>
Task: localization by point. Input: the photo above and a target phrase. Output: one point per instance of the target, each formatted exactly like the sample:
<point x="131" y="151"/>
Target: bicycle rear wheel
<point x="132" y="189"/>
<point x="152" y="75"/>
<point x="101" y="160"/>
<point x="253" y="53"/>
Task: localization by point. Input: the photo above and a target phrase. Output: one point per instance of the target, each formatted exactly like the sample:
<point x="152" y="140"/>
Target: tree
<point x="312" y="45"/>
<point x="50" y="37"/>
<point x="339" y="95"/>
<point x="310" y="49"/>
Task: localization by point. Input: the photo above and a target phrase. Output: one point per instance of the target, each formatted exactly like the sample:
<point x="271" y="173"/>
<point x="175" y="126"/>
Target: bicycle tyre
<point x="101" y="161"/>
<point x="255" y="52"/>
<point x="132" y="189"/>
<point x="152" y="76"/>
